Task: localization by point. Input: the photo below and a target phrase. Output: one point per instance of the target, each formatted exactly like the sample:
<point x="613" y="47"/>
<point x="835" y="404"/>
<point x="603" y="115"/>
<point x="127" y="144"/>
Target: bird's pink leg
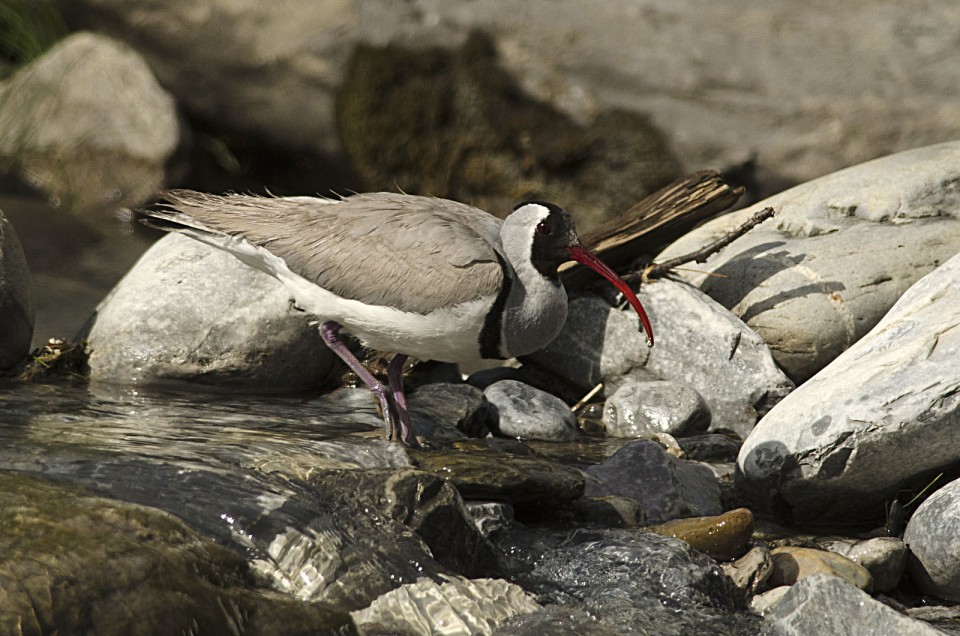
<point x="395" y="377"/>
<point x="329" y="331"/>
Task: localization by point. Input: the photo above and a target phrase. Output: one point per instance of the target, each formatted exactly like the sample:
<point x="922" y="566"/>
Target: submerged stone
<point x="524" y="482"/>
<point x="666" y="487"/>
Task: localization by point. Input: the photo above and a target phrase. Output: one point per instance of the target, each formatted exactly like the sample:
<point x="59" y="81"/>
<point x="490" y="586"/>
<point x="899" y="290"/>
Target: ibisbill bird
<point x="418" y="276"/>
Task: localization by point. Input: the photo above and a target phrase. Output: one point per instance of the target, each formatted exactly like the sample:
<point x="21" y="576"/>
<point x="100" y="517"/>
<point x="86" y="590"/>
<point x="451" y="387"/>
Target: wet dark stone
<point x="75" y="563"/>
<point x="523" y="481"/>
<point x="712" y="447"/>
<point x="428" y="505"/>
<point x="610" y="511"/>
<point x="666" y="487"/>
<point x="326" y="546"/>
<point x="459" y="405"/>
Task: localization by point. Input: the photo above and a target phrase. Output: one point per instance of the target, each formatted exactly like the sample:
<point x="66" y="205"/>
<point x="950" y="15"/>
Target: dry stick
<point x="586" y="398"/>
<point x="656" y="270"/>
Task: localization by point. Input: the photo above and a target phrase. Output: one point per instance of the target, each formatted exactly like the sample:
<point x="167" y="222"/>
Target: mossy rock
<point x="74" y="563"/>
<point x="455" y="124"/>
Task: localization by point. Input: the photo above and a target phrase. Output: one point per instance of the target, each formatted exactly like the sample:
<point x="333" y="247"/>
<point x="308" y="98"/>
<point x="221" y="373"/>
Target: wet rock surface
<point x="447" y="404"/>
<point x="630" y="580"/>
<point x="723" y="537"/>
<point x="76" y="563"/>
<point x="493" y="475"/>
<point x="346" y="521"/>
<point x="666" y="487"/>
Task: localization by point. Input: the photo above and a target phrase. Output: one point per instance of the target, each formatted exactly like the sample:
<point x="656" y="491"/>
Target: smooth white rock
<point x="881" y="414"/>
<point x="190" y="312"/>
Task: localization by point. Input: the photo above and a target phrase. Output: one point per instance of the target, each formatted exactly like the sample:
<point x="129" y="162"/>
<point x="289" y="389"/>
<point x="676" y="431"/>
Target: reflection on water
<point x="183" y="427"/>
<point x="217" y="461"/>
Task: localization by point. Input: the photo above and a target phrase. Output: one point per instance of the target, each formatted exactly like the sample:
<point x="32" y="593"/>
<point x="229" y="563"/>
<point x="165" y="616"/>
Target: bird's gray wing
<point x="414" y="253"/>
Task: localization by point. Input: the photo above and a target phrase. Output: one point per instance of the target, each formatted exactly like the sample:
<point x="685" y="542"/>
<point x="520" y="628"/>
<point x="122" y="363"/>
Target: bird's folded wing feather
<point x="414" y="253"/>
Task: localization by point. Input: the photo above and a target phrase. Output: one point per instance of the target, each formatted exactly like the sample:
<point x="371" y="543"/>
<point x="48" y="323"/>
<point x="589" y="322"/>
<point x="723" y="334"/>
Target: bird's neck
<point x="534" y="311"/>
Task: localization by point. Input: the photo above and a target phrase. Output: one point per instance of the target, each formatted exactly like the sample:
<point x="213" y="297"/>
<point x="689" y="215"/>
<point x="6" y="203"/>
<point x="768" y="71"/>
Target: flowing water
<point x="183" y="451"/>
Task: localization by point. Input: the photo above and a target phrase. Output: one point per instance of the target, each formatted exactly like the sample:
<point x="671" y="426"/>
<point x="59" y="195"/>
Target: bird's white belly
<point x="450" y="334"/>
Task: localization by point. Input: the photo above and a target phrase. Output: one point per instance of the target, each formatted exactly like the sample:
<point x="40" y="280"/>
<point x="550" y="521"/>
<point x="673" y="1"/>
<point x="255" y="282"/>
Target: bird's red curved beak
<point x="582" y="255"/>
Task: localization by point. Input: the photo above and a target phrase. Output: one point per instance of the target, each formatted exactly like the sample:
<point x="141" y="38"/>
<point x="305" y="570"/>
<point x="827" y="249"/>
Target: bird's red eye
<point x="544" y="228"/>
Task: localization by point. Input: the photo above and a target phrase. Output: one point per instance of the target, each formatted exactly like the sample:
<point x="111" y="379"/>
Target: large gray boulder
<point x="703" y="345"/>
<point x="698" y="343"/>
<point x="726" y="81"/>
<point x="881" y="415"/>
<point x="598" y="342"/>
<point x="16" y="298"/>
<point x="838" y="254"/>
<point x="88" y="124"/>
<point x="191" y="312"/>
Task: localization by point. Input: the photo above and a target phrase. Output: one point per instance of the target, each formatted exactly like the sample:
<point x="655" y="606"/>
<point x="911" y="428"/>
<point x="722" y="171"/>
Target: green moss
<point x="27" y="29"/>
<point x="57" y="360"/>
<point x="455" y="124"/>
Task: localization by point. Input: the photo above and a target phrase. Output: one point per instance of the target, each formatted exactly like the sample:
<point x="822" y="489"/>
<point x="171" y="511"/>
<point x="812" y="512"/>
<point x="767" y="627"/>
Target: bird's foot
<point x="395" y="376"/>
<point x="393" y="407"/>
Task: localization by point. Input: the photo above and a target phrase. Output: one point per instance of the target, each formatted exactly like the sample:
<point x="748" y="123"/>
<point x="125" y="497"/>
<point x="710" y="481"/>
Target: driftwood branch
<point x="653" y="223"/>
<point x="656" y="270"/>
